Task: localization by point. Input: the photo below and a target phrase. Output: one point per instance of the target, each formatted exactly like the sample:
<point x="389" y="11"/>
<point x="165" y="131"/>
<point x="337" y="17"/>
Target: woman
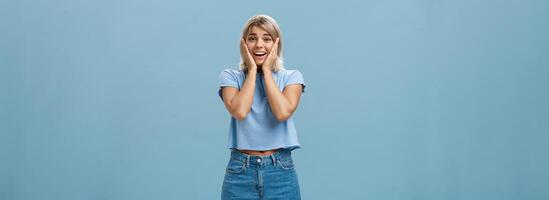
<point x="261" y="97"/>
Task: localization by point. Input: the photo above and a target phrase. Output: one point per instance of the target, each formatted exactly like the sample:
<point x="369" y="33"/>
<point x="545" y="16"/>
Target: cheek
<point x="268" y="48"/>
<point x="250" y="47"/>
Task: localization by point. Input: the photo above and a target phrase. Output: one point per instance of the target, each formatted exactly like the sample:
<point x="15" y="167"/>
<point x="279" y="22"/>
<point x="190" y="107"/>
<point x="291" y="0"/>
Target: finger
<point x="248" y="59"/>
<point x="243" y="44"/>
<point x="276" y="43"/>
<point x="245" y="48"/>
<point x="276" y="46"/>
<point x="273" y="49"/>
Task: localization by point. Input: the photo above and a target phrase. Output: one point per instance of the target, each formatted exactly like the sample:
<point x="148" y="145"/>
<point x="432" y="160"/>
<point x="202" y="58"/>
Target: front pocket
<point x="286" y="164"/>
<point x="235" y="166"/>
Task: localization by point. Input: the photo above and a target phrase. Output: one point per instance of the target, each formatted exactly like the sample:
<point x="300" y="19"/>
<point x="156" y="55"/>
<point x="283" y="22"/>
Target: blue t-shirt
<point x="260" y="130"/>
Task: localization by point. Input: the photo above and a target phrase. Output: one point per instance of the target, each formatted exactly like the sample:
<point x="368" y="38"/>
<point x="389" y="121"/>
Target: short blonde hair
<point x="269" y="24"/>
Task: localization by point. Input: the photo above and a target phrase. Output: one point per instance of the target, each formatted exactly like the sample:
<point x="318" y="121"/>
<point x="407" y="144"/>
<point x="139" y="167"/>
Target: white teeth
<point x="259" y="53"/>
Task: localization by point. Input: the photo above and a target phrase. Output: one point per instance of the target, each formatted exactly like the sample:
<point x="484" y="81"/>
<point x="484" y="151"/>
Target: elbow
<point x="239" y="115"/>
<point x="280" y="117"/>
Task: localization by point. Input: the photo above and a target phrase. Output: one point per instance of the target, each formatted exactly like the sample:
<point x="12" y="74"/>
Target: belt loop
<point x="247" y="160"/>
<point x="274" y="159"/>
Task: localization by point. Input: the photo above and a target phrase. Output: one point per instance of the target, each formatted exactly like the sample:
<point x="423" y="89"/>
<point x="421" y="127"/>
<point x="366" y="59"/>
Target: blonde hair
<point x="269" y="24"/>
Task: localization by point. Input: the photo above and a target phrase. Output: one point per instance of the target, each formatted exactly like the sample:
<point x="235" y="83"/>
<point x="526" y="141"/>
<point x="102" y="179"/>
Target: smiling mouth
<point x="260" y="54"/>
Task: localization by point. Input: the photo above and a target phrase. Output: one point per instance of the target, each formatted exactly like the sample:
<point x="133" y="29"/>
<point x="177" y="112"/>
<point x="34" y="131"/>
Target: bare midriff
<point x="258" y="153"/>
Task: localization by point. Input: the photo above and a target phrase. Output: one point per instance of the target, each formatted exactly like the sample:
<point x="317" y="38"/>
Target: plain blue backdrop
<point x="417" y="99"/>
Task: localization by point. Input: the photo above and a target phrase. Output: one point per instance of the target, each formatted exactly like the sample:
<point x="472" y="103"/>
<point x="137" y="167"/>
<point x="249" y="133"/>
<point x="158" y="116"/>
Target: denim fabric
<point x="261" y="177"/>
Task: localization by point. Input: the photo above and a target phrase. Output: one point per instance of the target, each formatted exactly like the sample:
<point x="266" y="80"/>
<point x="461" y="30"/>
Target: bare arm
<point x="239" y="103"/>
<point x="283" y="104"/>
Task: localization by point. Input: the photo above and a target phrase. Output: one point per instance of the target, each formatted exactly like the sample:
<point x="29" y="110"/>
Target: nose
<point x="260" y="44"/>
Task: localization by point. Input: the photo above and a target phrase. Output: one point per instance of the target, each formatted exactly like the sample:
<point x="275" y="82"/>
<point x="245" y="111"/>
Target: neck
<point x="259" y="69"/>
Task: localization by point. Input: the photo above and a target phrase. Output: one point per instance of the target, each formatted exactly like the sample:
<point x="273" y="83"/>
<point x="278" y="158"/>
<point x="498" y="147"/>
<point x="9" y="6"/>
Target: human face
<point x="259" y="44"/>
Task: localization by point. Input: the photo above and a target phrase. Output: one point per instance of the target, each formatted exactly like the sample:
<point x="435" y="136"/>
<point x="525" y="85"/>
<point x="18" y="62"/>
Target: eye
<point x="267" y="39"/>
<point x="251" y="39"/>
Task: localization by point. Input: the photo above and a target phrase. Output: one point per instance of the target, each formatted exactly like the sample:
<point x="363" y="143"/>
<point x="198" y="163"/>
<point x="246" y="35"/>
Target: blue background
<point x="419" y="99"/>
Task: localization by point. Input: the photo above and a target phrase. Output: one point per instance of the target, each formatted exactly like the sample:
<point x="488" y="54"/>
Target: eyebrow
<point x="267" y="34"/>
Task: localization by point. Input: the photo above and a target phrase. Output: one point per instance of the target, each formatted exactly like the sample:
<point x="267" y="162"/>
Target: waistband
<point x="279" y="155"/>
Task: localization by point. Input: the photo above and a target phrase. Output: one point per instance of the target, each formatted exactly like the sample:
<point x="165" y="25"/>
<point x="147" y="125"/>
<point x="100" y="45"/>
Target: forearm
<point x="281" y="106"/>
<point x="241" y="103"/>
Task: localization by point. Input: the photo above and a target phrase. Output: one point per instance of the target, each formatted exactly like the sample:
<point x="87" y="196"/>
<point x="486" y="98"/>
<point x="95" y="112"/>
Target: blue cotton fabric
<point x="260" y="130"/>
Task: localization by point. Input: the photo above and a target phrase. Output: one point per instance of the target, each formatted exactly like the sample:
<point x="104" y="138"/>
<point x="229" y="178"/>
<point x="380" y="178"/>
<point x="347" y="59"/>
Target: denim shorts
<point x="261" y="177"/>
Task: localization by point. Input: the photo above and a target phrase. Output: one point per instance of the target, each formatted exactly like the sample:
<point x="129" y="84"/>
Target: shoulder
<point x="291" y="76"/>
<point x="289" y="72"/>
<point x="232" y="73"/>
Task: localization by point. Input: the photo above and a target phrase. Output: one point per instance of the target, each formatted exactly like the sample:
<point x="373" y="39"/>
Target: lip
<point x="260" y="57"/>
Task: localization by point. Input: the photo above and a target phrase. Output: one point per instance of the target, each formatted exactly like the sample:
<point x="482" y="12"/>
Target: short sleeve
<point x="226" y="78"/>
<point x="296" y="78"/>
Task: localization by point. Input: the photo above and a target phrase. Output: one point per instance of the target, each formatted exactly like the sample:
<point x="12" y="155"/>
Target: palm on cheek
<point x="248" y="59"/>
<point x="271" y="59"/>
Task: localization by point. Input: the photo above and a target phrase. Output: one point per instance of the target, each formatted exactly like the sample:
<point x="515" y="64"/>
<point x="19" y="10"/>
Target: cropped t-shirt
<point x="260" y="130"/>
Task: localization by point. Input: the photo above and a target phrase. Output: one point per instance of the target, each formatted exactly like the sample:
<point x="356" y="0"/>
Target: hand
<point x="248" y="59"/>
<point x="272" y="58"/>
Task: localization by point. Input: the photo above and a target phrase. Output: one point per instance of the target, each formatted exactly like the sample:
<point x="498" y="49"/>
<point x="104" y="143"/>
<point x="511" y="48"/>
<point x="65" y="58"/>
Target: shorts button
<point x="259" y="160"/>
